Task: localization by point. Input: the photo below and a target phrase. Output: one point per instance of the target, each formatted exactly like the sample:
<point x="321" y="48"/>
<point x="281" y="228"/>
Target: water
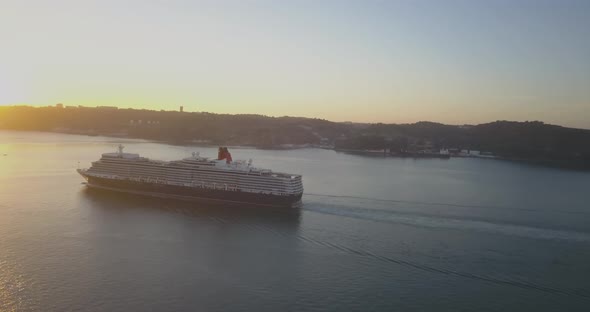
<point x="373" y="234"/>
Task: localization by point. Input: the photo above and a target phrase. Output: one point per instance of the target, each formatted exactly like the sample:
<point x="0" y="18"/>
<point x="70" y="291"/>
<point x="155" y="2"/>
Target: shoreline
<point x="547" y="163"/>
<point x="169" y="142"/>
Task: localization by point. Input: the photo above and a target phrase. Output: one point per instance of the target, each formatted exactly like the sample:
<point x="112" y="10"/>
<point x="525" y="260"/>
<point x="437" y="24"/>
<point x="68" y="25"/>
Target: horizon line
<point x="285" y="116"/>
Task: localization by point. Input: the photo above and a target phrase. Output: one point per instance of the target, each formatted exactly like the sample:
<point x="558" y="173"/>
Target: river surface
<point x="373" y="234"/>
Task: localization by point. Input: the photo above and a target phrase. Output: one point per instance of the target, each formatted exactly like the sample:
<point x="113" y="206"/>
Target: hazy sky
<point x="369" y="61"/>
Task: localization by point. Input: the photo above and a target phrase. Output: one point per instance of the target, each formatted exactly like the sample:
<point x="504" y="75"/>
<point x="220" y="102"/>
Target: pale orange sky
<point x="367" y="61"/>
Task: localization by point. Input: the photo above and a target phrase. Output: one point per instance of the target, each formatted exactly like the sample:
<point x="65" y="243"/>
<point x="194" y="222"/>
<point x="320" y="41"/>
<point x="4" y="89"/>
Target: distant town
<point x="532" y="141"/>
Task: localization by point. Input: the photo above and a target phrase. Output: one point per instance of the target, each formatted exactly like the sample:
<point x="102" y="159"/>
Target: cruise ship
<point x="196" y="177"/>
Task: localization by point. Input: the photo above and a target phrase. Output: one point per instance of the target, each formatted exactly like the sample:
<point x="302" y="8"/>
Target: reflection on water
<point x="378" y="234"/>
<point x="175" y="221"/>
<point x="113" y="203"/>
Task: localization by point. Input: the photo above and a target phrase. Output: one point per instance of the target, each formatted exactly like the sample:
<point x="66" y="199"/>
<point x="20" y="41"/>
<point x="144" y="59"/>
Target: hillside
<point x="532" y="141"/>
